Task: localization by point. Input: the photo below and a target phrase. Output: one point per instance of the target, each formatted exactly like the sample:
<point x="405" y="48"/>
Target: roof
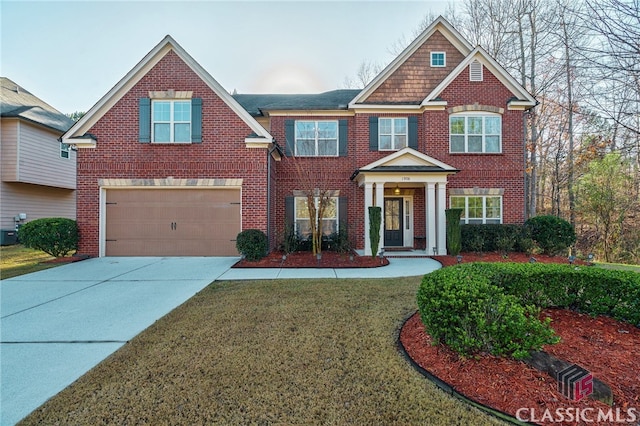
<point x="82" y="126"/>
<point x="332" y="100"/>
<point x="17" y="102"/>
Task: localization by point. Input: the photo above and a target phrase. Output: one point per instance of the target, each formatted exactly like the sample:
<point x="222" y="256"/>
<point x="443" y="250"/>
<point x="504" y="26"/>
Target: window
<point x="316" y="138"/>
<point x="479" y="209"/>
<point x="438" y="59"/>
<point x="64" y="150"/>
<point x="329" y="221"/>
<point x="171" y="121"/>
<point x="392" y="134"/>
<point x="475" y="133"/>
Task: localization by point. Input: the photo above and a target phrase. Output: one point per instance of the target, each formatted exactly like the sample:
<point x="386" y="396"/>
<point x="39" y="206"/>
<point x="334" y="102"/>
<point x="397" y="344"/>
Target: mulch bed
<point x="330" y="259"/>
<point x="609" y="349"/>
<point x="66" y="259"/>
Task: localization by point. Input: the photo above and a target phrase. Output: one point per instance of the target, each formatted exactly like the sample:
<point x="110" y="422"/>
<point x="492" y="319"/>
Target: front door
<point x="393" y="218"/>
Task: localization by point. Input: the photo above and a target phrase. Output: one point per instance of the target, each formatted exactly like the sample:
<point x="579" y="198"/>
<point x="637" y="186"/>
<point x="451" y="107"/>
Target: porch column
<point x="380" y="203"/>
<point x="442" y="219"/>
<point x="368" y="201"/>
<point x="431" y="216"/>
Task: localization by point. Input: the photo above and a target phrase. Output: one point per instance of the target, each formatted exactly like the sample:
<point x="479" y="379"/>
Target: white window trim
<point x="465" y="216"/>
<point x="171" y="121"/>
<point x="475" y="114"/>
<point x="316" y="138"/>
<point x="316" y="200"/>
<point x="65" y="148"/>
<point x="444" y="61"/>
<point x="393" y="133"/>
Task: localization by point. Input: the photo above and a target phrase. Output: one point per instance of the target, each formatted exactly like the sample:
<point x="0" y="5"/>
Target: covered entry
<point x="401" y="173"/>
<point x="176" y="221"/>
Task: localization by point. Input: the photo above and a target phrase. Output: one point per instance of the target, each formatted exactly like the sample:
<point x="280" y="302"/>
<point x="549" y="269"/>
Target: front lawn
<point x="262" y="352"/>
<point x="18" y="260"/>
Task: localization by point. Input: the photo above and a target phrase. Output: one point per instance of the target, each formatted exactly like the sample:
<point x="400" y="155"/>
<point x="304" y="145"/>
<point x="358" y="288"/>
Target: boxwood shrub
<point x="468" y="313"/>
<point x="252" y="243"/>
<point x="493" y="307"/>
<point x="552" y="234"/>
<point x="56" y="236"/>
<point x="495" y="237"/>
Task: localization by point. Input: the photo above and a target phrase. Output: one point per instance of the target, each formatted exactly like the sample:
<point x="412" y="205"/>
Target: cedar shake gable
<point x="409" y="78"/>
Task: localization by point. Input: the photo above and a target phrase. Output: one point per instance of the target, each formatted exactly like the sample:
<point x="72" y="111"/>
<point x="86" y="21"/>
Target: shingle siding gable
<point x="415" y="78"/>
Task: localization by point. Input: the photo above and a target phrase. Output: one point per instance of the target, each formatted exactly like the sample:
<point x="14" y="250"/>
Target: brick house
<point x="170" y="164"/>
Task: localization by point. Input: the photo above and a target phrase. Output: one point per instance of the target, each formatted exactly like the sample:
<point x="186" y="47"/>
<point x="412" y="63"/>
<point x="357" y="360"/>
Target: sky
<point x="71" y="53"/>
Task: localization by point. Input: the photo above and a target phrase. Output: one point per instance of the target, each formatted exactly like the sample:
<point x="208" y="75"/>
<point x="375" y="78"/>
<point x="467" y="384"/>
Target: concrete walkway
<point x="59" y="323"/>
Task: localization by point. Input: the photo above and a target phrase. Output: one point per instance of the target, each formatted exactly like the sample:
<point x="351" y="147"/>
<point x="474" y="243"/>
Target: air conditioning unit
<point x="8" y="237"/>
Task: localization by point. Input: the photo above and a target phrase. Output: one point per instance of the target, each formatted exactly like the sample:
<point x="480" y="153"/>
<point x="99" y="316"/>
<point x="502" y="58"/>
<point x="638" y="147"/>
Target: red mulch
<point x="609" y="349"/>
<point x="497" y="257"/>
<point x="330" y="259"/>
<point x="68" y="259"/>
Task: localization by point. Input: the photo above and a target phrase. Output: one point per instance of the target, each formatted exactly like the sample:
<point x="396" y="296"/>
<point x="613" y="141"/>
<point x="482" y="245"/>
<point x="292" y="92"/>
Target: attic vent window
<point x="475" y="71"/>
<point x="438" y="59"/>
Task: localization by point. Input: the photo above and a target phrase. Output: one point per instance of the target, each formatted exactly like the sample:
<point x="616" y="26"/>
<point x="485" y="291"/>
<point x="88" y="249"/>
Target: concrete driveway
<point x="59" y="323"/>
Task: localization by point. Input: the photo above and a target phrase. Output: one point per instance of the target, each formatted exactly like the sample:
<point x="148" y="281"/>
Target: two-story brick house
<point x="171" y="164"/>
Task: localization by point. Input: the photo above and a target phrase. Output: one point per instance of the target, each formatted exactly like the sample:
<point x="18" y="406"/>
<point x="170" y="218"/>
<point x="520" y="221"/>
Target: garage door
<point x="172" y="222"/>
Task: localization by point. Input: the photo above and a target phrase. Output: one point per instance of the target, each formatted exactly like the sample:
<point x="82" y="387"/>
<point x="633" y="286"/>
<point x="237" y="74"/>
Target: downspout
<point x="269" y="152"/>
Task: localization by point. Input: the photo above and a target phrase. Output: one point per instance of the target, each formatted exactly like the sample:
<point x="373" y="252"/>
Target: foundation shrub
<point x="56" y="236"/>
<point x="552" y="234"/>
<point x="252" y="243"/>
<point x="494" y="237"/>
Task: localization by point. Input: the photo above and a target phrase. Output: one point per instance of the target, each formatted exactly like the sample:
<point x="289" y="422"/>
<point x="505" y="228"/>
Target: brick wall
<point x="222" y="153"/>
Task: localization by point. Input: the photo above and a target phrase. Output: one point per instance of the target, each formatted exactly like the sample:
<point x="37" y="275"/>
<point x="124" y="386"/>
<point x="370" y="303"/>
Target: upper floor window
<point x="392" y="134"/>
<point x="438" y="59"/>
<point x="171" y="121"/>
<point x="479" y="209"/>
<point x="316" y="138"/>
<point x="64" y="150"/>
<point x="475" y="133"/>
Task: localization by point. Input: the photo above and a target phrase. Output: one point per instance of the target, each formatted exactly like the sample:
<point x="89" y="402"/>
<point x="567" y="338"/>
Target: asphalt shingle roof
<point x="15" y="101"/>
<point x="335" y="99"/>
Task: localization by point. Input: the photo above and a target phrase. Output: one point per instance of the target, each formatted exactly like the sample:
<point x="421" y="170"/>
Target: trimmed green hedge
<point x="493" y="307"/>
<point x="56" y="236"/>
<point x="252" y="243"/>
<point x="495" y="237"/>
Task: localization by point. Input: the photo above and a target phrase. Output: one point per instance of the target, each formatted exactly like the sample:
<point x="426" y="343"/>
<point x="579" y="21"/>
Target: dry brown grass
<point x="267" y="352"/>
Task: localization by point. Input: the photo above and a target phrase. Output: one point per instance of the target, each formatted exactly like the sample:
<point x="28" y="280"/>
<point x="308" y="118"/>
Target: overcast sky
<point x="71" y="53"/>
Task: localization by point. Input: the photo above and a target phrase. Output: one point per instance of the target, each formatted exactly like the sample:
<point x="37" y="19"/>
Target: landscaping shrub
<point x="468" y="313"/>
<point x="290" y="241"/>
<point x="339" y="241"/>
<point x="454" y="236"/>
<point x="252" y="243"/>
<point x="56" y="236"/>
<point x="551" y="233"/>
<point x="375" y="220"/>
<point x="494" y="237"/>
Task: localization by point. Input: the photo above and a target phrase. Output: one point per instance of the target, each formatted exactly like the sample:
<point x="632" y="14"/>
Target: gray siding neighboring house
<point x="38" y="173"/>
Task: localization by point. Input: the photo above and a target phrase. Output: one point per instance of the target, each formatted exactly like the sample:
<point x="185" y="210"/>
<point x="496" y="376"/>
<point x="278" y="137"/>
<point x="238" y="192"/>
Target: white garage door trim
<point x="166" y="183"/>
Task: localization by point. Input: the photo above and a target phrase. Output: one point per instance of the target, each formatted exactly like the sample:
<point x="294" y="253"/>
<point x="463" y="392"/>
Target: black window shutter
<point x="413" y="132"/>
<point x="343" y="132"/>
<point x="373" y="133"/>
<point x="288" y="211"/>
<point x="144" y="120"/>
<point x="342" y="212"/>
<point x="196" y="120"/>
<point x="289" y="135"/>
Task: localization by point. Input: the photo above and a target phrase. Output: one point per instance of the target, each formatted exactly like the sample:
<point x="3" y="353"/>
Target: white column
<point x="368" y="201"/>
<point x="431" y="216"/>
<point x="380" y="203"/>
<point x="442" y="220"/>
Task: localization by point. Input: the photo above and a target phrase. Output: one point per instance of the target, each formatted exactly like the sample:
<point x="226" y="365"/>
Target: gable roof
<point x="441" y="25"/>
<point x="140" y="70"/>
<point x="332" y="100"/>
<point x="524" y="98"/>
<point x="17" y="102"/>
